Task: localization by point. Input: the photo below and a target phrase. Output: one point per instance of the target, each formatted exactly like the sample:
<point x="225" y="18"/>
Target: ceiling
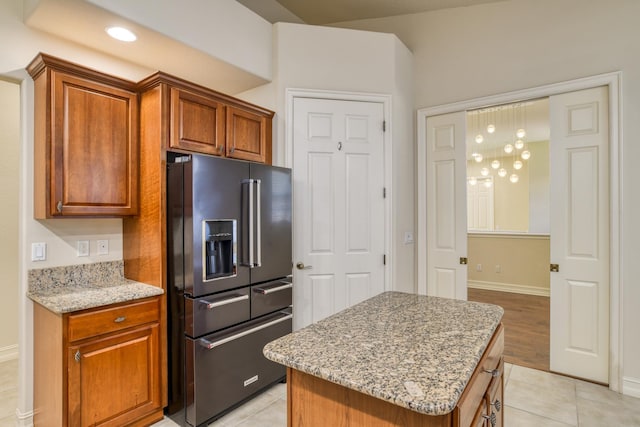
<point x="322" y="12"/>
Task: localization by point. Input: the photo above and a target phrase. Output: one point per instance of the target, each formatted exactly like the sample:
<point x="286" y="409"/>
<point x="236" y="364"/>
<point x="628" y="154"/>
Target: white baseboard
<point x="508" y="287"/>
<point x="9" y="352"/>
<point x="631" y="386"/>
<point x="24" y="419"/>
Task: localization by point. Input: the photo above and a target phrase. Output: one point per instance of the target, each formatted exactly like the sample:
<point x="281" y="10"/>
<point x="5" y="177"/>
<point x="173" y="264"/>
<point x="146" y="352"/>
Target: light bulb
<point x="487" y="183"/>
<point x="520" y="133"/>
<point x="519" y="144"/>
<point x="508" y="148"/>
<point x="479" y="138"/>
<point x="526" y="154"/>
<point x="517" y="165"/>
<point x="484" y="171"/>
<point x="495" y="164"/>
<point x="491" y="128"/>
<point x="121" y="34"/>
<point x="513" y="178"/>
<point x="473" y="180"/>
<point x="478" y="158"/>
<point x="502" y="172"/>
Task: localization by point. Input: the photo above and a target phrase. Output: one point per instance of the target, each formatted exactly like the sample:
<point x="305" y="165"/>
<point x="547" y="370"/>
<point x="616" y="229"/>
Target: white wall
<point x="313" y="57"/>
<point x="9" y="178"/>
<point x="469" y="52"/>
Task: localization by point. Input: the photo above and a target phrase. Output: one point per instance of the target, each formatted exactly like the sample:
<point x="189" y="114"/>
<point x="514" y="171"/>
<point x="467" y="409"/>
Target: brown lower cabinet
<point x="315" y="402"/>
<point x="98" y="367"/>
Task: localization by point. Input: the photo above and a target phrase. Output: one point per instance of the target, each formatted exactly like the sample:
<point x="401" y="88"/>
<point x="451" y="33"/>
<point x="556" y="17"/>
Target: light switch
<point x="38" y="251"/>
<point x="83" y="248"/>
<point x="408" y="237"/>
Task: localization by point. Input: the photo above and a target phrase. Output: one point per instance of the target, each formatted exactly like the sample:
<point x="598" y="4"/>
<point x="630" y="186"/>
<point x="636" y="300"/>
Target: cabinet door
<point x="94" y="149"/>
<point x="247" y="136"/>
<point x="114" y="380"/>
<point x="197" y="123"/>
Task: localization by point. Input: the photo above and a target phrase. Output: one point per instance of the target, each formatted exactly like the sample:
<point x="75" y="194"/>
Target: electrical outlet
<point x="479" y="267"/>
<point x="498" y="268"/>
<point x="83" y="248"/>
<point x="103" y="247"/>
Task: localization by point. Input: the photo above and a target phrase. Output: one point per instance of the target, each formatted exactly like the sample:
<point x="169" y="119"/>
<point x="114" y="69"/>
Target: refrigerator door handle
<point x="250" y="223"/>
<point x="258" y="226"/>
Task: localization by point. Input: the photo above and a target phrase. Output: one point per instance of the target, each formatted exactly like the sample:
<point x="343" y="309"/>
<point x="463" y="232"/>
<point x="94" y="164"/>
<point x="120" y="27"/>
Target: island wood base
<point x="312" y="401"/>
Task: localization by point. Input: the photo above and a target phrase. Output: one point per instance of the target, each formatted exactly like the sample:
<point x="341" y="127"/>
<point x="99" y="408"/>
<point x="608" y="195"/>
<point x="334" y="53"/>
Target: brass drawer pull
<point x="120" y="319"/>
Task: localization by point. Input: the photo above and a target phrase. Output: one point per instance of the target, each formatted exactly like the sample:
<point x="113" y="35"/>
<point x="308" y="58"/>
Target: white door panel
<point x="338" y="180"/>
<point x="580" y="234"/>
<point x="446" y="206"/>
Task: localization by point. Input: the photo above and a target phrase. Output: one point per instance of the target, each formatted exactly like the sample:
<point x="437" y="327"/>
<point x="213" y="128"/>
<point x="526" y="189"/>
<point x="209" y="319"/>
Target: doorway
<point x="579" y="289"/>
<point x="507" y="163"/>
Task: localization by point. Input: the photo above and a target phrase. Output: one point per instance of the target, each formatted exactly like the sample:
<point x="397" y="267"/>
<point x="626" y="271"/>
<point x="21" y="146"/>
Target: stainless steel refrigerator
<point x="228" y="281"/>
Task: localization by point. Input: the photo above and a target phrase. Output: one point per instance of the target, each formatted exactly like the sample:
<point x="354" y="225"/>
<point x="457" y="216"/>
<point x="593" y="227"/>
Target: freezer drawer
<point x="271" y="296"/>
<point x="208" y="314"/>
<point x="225" y="368"/>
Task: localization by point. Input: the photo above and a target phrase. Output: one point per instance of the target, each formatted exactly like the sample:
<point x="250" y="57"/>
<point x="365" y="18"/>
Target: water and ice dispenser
<point x="219" y="246"/>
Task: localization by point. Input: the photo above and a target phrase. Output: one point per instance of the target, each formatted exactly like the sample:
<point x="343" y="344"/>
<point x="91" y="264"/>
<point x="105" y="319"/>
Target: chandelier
<point x="500" y="142"/>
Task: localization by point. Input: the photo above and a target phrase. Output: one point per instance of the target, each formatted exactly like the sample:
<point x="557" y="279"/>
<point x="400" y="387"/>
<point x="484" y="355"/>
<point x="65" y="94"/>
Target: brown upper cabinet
<point x="202" y="120"/>
<point x="248" y="135"/>
<point x="197" y="122"/>
<point x="86" y="142"/>
<point x="96" y="135"/>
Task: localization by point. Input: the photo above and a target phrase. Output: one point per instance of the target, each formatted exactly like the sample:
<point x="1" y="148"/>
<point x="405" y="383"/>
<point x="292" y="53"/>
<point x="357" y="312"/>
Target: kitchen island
<point x="396" y="359"/>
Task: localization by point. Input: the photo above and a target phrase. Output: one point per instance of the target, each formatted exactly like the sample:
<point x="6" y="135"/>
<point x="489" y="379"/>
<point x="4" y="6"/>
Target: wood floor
<point x="526" y="326"/>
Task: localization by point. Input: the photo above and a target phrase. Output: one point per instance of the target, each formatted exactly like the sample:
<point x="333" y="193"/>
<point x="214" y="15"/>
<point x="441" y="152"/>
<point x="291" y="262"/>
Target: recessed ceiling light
<point x="121" y="34"/>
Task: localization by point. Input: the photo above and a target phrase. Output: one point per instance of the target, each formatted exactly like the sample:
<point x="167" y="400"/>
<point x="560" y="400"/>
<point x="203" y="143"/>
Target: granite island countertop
<point x="78" y="287"/>
<point x="414" y="351"/>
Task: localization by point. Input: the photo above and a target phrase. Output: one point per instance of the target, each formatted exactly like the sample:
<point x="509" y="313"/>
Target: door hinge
<point x="384" y="259"/>
<point x="384" y="192"/>
<point x="384" y="126"/>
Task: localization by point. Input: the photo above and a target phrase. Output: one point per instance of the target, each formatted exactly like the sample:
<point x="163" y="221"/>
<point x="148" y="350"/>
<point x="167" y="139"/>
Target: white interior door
<point x="338" y="184"/>
<point x="580" y="234"/>
<point x="446" y="206"/>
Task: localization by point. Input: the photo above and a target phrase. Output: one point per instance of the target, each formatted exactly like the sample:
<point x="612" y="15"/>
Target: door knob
<point x="301" y="266"/>
<point x="554" y="268"/>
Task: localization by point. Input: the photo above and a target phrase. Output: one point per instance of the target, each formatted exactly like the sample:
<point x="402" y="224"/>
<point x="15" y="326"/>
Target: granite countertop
<point x="78" y="287"/>
<point x="414" y="351"/>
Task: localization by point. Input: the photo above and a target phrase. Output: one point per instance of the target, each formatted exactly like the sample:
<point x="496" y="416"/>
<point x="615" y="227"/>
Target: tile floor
<point x="532" y="398"/>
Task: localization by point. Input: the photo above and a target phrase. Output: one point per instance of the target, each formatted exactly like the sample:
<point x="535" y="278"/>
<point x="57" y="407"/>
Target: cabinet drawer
<point x="112" y="319"/>
<point x="476" y="389"/>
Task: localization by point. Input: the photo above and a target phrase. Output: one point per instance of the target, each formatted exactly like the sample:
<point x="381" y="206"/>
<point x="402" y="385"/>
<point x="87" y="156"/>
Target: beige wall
<point x="509" y="260"/>
<point x="470" y="52"/>
<point x="9" y="180"/>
